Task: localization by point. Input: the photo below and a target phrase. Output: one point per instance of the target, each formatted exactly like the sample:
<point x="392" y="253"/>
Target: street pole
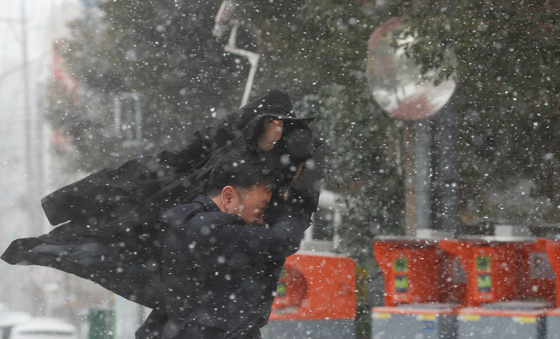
<point x="29" y="175"/>
<point x="409" y="180"/>
<point x="28" y="123"/>
<point x="26" y="110"/>
<point x="33" y="159"/>
<point x="252" y="57"/>
<point x="447" y="130"/>
<point x="422" y="167"/>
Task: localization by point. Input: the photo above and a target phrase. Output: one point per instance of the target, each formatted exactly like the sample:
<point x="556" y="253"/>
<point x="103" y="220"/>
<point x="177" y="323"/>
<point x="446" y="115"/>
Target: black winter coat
<point x="109" y="223"/>
<point x="219" y="272"/>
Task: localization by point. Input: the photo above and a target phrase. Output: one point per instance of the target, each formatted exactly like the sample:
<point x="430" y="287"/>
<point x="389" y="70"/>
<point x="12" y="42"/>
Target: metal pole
<point x="26" y="112"/>
<point x="447" y="129"/>
<point x="422" y="146"/>
<point x="32" y="160"/>
<point x="252" y="57"/>
<point x="33" y="142"/>
<point x="32" y="224"/>
<point x="409" y="180"/>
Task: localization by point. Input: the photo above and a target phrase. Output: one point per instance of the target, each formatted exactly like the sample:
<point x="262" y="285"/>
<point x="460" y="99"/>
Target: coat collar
<point x="209" y="204"/>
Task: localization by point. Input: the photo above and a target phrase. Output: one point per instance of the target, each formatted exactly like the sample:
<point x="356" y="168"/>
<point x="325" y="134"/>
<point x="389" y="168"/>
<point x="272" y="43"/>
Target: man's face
<point x="251" y="205"/>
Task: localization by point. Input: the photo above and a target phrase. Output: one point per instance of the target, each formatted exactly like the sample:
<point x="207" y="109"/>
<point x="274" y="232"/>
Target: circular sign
<point x="397" y="83"/>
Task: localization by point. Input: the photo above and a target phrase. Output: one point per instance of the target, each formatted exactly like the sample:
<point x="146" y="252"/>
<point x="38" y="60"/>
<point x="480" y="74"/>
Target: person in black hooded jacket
<point x="109" y="223"/>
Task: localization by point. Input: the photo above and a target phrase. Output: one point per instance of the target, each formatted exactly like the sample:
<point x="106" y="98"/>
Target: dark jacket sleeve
<point x="276" y="242"/>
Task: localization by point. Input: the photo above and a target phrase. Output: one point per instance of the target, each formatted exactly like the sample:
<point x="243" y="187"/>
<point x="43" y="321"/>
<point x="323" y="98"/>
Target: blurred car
<point x="9" y="320"/>
<point x="38" y="328"/>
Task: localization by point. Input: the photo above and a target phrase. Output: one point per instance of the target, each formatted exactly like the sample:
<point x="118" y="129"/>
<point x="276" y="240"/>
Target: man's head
<point x="239" y="184"/>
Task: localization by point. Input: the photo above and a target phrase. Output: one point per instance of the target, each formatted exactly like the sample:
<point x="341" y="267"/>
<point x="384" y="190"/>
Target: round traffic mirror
<point x="397" y="83"/>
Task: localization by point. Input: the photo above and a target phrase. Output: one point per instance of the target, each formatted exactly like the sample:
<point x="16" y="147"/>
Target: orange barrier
<point x="316" y="286"/>
<point x="491" y="269"/>
<point x="417" y="271"/>
<point x="504" y="287"/>
<point x="503" y="270"/>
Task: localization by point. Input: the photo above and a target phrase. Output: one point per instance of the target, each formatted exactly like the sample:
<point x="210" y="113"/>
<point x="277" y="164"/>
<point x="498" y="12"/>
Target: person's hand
<point x="272" y="132"/>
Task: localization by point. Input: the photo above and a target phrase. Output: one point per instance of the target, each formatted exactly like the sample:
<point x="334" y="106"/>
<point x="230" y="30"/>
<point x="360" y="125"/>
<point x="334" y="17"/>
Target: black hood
<point x="276" y="104"/>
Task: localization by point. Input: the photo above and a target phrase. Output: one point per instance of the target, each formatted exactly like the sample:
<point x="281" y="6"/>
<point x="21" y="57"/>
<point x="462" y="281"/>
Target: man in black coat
<point x="220" y="265"/>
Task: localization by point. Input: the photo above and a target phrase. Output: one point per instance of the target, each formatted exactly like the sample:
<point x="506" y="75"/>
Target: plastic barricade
<point x="316" y="298"/>
<point x="424" y="286"/>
